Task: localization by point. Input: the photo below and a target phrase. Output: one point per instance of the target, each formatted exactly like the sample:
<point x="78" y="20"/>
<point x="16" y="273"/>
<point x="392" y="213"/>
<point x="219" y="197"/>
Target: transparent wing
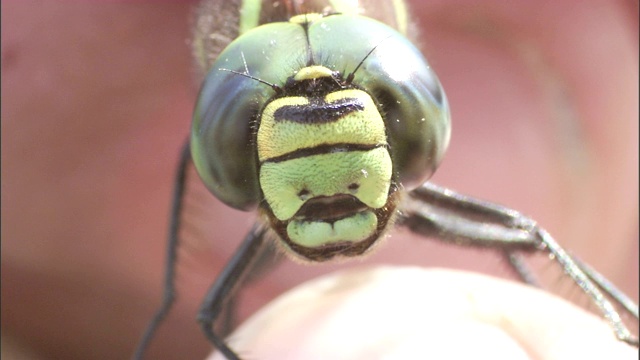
<point x="197" y="250"/>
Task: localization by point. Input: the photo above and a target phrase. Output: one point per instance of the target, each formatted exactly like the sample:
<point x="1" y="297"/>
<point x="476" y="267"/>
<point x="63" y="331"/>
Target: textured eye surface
<point x="225" y="116"/>
<point x="410" y="97"/>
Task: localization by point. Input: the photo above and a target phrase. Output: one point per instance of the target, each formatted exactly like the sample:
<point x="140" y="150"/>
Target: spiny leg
<point x="226" y="285"/>
<point x="469" y="221"/>
<point x="520" y="268"/>
<point x="172" y="245"/>
<point x="437" y="212"/>
<point x="608" y="287"/>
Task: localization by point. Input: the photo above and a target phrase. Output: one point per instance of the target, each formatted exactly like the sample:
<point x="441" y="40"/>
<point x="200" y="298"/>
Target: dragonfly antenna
<point x="350" y="77"/>
<point x="246" y="74"/>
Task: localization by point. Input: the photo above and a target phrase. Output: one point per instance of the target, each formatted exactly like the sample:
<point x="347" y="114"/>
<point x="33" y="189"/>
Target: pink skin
<point x="97" y="99"/>
<point x="465" y="320"/>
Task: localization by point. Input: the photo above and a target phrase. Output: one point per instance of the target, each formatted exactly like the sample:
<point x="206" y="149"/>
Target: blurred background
<point x="97" y="100"/>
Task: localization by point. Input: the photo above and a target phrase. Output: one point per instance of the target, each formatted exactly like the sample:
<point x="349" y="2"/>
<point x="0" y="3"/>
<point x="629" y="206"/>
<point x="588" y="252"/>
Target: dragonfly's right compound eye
<point x="221" y="142"/>
<point x="226" y="115"/>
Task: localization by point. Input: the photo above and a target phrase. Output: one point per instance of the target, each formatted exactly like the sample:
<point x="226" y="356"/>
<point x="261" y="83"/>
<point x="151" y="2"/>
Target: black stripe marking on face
<point x="318" y="111"/>
<point x="322" y="149"/>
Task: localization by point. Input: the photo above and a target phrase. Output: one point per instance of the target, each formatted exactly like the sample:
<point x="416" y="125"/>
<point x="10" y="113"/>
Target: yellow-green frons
<point x="326" y="175"/>
<point x="276" y="138"/>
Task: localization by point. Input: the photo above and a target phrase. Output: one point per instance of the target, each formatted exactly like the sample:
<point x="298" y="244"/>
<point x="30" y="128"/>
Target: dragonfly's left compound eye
<point x="410" y="97"/>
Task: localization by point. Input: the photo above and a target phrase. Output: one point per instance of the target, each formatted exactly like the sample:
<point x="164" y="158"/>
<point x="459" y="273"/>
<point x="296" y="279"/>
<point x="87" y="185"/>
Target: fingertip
<point x="409" y="312"/>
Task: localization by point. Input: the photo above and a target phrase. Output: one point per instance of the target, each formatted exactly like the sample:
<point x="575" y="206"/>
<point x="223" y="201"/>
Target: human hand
<point x="416" y="313"/>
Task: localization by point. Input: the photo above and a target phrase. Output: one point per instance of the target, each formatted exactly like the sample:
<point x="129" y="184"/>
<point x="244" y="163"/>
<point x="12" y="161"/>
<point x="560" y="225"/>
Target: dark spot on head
<point x="303" y="194"/>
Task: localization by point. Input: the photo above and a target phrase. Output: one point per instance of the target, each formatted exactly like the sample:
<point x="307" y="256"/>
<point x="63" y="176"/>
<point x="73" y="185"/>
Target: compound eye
<point x="416" y="111"/>
<point x="418" y="126"/>
<point x="226" y="114"/>
<point x="415" y="108"/>
<point x="221" y="140"/>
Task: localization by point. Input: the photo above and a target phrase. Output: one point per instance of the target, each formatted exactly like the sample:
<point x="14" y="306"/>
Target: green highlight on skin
<point x="327" y="175"/>
<point x="282" y="137"/>
<point x="316" y="233"/>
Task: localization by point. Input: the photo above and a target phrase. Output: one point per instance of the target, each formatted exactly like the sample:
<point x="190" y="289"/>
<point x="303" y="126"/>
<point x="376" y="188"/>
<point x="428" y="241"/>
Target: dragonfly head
<point x="321" y="124"/>
<point x="324" y="166"/>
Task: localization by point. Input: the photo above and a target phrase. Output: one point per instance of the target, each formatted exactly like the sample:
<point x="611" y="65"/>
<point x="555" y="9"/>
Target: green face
<point x="324" y="168"/>
<point x="320" y="122"/>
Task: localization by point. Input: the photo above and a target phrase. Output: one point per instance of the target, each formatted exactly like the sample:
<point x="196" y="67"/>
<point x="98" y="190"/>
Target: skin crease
<point x="97" y="99"/>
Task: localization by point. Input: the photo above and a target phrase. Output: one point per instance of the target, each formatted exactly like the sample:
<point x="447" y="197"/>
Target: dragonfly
<point x="325" y="119"/>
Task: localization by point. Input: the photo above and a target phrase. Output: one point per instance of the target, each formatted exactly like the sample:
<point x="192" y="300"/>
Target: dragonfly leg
<point x="520" y="268"/>
<point x="437" y="212"/>
<point x="604" y="284"/>
<point x="268" y="258"/>
<point x="168" y="296"/>
<point x="227" y="284"/>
